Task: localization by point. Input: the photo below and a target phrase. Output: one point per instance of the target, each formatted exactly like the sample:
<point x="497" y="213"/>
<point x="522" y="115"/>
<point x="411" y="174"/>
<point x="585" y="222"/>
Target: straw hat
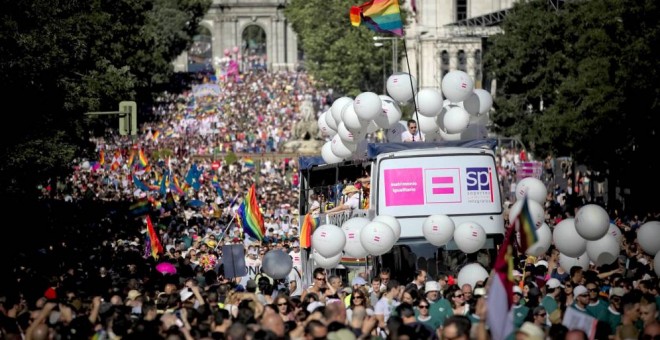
<point x="349" y="189"/>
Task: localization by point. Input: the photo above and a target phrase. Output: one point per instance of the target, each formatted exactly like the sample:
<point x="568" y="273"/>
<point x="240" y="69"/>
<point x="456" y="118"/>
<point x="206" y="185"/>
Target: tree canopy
<point x="59" y="59"/>
<point x="336" y="53"/>
<point x="581" y="81"/>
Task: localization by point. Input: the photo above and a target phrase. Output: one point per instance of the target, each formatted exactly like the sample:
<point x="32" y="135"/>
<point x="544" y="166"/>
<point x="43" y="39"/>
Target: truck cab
<point x="412" y="181"/>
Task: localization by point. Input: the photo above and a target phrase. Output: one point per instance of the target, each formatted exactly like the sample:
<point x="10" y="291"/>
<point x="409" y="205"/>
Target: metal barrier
<point x="338" y="218"/>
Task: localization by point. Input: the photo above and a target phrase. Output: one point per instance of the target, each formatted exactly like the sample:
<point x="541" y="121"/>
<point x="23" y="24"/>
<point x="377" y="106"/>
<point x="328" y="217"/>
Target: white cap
<point x="553" y="283"/>
<point x="185" y="294"/>
<point x="541" y="263"/>
<point x="517" y="290"/>
<point x="579" y="290"/>
<point x="431" y="286"/>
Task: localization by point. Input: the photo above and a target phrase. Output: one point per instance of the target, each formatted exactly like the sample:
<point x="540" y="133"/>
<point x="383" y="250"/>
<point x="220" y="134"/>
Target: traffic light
<point x="128" y="118"/>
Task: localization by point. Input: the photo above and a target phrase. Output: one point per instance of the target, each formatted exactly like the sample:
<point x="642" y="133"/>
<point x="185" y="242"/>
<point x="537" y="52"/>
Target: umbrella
<point x="195" y="203"/>
<point x="166" y="268"/>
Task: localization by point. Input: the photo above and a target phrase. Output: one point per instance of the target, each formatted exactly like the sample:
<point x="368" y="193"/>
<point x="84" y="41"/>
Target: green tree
<point x="59" y="59"/>
<point x="592" y="66"/>
<point x="341" y="56"/>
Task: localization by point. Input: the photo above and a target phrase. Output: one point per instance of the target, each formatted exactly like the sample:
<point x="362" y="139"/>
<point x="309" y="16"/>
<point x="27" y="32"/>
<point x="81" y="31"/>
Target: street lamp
<point x="395" y="59"/>
<point x="378" y="44"/>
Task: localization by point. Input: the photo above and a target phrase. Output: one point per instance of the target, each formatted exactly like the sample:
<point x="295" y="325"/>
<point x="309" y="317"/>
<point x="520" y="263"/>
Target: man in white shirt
<point x="351" y="202"/>
<point x="412" y="134"/>
<point x="295" y="282"/>
<point x="387" y="303"/>
<point x="296" y="258"/>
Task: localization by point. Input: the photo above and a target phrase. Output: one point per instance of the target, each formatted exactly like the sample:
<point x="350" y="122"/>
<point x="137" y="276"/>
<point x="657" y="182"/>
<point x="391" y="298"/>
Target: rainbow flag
<point x="175" y="185"/>
<point x="155" y="135"/>
<point x="383" y="16"/>
<point x="309" y="225"/>
<point x="102" y="157"/>
<point x="156" y="247"/>
<point x="131" y="158"/>
<point x="144" y="161"/>
<point x="500" y="316"/>
<point x="141" y="207"/>
<point x="526" y="227"/>
<point x="249" y="216"/>
<point x="249" y="163"/>
<point x="353" y="261"/>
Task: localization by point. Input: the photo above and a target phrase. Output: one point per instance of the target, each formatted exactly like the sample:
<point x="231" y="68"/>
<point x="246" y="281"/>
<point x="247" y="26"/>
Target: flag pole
<point x="412" y="87"/>
<point x="224" y="232"/>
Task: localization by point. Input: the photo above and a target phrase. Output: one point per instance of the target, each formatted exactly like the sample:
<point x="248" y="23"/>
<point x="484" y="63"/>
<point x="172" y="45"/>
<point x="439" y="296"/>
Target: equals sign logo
<point x="463" y="85"/>
<point x="475" y="233"/>
<point x="376" y="238"/>
<point x="323" y="234"/>
<point x="446" y="185"/>
<point x="434" y="228"/>
<point x="351" y="236"/>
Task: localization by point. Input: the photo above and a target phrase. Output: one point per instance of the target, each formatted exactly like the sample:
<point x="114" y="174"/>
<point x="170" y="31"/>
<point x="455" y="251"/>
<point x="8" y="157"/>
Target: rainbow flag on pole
<point x="526" y="227"/>
<point x="383" y="16"/>
<point x="156" y="247"/>
<point x="249" y="216"/>
<point x="309" y="225"/>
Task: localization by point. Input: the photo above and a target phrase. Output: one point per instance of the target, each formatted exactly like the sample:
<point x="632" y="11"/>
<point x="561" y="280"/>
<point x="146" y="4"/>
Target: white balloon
<point x="391" y="222"/>
<point x="367" y="105"/>
<point x="390" y="112"/>
<point x="616" y="232"/>
<point x="277" y="264"/>
<point x="567" y="240"/>
<point x="535" y="210"/>
<point x="469" y="237"/>
<point x="328" y="156"/>
<point x="471" y="274"/>
<point x="377" y="238"/>
<point x="567" y="262"/>
<point x="456" y="119"/>
<point x="426" y="124"/>
<point x="648" y="236"/>
<point x="401" y="86"/>
<point x="479" y="102"/>
<point x="592" y="222"/>
<point x="438" y="229"/>
<point x="457" y="86"/>
<point x="395" y="131"/>
<point x="341" y="148"/>
<point x="372" y="127"/>
<point x="429" y="102"/>
<point x="449" y="136"/>
<point x="329" y="240"/>
<point x="331" y="121"/>
<point x="533" y="188"/>
<point x="326" y="262"/>
<point x="337" y="107"/>
<point x="351" y="119"/>
<point x="85" y="165"/>
<point x="352" y="228"/>
<point x="543" y="243"/>
<point x="656" y="263"/>
<point x="326" y="131"/>
<point x="346" y="135"/>
<point x="433" y="136"/>
<point x="604" y="250"/>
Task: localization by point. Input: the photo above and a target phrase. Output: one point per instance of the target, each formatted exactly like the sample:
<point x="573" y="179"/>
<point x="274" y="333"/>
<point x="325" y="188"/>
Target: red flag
<point x="156" y="247"/>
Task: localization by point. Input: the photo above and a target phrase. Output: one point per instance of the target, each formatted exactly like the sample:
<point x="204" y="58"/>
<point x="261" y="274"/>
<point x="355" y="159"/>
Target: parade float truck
<point x="411" y="181"/>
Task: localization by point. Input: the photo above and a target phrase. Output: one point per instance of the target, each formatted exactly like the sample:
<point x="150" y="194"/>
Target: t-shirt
<point x="294" y="275"/>
<point x="353" y="202"/>
<point x="549" y="303"/>
<point x="296" y="259"/>
<point x="384" y="307"/>
<point x="440" y="310"/>
<point x="598" y="310"/>
<point x="519" y="315"/>
<point x="613" y="319"/>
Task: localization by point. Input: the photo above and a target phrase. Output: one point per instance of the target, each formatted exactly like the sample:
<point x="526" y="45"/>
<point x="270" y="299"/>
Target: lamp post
<point x="378" y="44"/>
<point x="395" y="59"/>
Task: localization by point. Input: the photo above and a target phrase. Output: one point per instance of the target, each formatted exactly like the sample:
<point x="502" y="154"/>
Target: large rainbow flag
<point x="310" y="224"/>
<point x="383" y="16"/>
<point x="156" y="247"/>
<point x="526" y="227"/>
<point x="249" y="216"/>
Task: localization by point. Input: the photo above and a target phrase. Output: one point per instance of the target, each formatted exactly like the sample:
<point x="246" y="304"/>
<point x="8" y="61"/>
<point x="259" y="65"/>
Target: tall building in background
<point x="441" y="35"/>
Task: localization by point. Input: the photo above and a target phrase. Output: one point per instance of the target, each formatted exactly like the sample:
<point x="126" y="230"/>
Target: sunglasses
<point x="568" y="286"/>
<point x="458" y="296"/>
<point x="583" y="295"/>
<point x="282" y="304"/>
<point x="595" y="290"/>
<point x="320" y="278"/>
<point x="357" y="297"/>
<point x="541" y="314"/>
<point x="423" y="307"/>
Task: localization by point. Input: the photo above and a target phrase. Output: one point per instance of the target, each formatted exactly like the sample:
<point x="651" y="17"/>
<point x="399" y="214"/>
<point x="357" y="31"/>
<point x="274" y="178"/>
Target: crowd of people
<point x="96" y="277"/>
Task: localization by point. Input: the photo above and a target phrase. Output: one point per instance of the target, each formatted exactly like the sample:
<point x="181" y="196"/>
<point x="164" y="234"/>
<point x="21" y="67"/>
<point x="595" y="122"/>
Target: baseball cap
<point x="431" y="286"/>
<point x="517" y="290"/>
<point x="617" y="291"/>
<point x="553" y="283"/>
<point x="541" y="263"/>
<point x="313" y="306"/>
<point x="185" y="294"/>
<point x="532" y="331"/>
<point x="132" y="294"/>
<point x="358" y="281"/>
<point x="579" y="290"/>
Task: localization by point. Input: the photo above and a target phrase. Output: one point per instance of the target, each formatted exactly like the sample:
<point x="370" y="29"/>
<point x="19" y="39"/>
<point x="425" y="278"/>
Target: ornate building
<point x="441" y="35"/>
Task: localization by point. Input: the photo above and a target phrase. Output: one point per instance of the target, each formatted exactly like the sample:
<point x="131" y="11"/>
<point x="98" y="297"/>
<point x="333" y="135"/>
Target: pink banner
<point x="404" y="187"/>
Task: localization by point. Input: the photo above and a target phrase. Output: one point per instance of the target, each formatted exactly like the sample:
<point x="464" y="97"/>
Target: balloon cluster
<point x="349" y="120"/>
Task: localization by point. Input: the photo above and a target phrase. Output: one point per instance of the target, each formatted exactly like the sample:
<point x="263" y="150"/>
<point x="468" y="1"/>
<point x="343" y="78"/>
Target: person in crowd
<point x="413" y="134"/>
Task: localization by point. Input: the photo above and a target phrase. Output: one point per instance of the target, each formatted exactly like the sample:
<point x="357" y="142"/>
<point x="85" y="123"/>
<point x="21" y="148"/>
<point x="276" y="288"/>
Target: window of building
<point x="461" y="9"/>
<point x="462" y="61"/>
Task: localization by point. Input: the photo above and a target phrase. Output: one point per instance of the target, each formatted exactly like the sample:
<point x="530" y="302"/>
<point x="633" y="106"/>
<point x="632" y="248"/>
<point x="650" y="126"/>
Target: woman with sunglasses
<point x="424" y="315"/>
<point x="568" y="293"/>
<point x="457" y="299"/>
<point x="358" y="298"/>
<point x="284" y="308"/>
